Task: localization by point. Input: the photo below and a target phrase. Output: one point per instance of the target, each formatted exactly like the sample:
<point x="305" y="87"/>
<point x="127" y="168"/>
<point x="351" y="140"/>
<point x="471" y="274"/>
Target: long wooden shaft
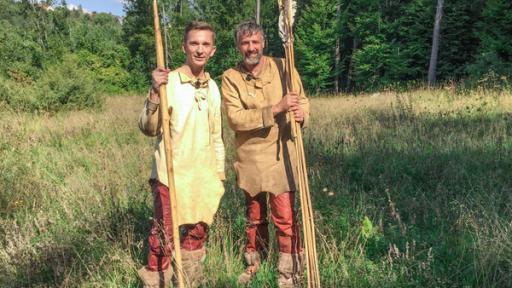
<point x="164" y="114"/>
<point x="315" y="274"/>
<point x="305" y="200"/>
<point x="313" y="260"/>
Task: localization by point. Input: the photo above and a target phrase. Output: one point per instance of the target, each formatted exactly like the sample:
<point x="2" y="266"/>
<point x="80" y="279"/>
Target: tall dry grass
<point x="409" y="190"/>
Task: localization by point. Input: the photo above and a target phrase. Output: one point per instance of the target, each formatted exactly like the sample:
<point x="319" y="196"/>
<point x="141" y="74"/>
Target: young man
<point x="256" y="100"/>
<point x="198" y="159"/>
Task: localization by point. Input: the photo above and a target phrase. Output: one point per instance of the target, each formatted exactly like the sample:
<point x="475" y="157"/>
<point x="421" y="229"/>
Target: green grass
<point x="409" y="190"/>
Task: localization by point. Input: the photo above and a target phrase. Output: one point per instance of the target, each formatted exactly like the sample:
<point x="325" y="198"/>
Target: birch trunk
<point x="435" y="44"/>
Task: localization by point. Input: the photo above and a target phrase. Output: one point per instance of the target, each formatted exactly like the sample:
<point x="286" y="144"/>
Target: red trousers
<point x="283" y="216"/>
<point x="192" y="236"/>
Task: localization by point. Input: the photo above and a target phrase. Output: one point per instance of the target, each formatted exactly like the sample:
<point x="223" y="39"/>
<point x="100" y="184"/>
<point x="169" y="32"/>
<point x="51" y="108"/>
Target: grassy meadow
<point x="409" y="189"/>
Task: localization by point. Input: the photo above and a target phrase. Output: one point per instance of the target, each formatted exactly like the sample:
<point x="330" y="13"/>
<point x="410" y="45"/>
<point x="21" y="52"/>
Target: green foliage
<point x="367" y="230"/>
<point x="40" y="48"/>
<point x="14" y="95"/>
<point x="356" y="45"/>
<point x="376" y="65"/>
<point x="457" y="44"/>
<point x="316" y="44"/>
<point x="107" y="68"/>
<point x="413" y="37"/>
<point x="62" y="86"/>
<point x="66" y="86"/>
<point x="21" y="58"/>
<point x="494" y="59"/>
<point x="139" y="39"/>
<point x="225" y="15"/>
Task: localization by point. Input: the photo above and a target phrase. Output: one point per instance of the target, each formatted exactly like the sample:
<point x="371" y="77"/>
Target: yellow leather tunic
<point x="198" y="149"/>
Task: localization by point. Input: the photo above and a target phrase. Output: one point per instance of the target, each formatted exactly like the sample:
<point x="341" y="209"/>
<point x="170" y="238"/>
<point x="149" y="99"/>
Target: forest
<point x="341" y="46"/>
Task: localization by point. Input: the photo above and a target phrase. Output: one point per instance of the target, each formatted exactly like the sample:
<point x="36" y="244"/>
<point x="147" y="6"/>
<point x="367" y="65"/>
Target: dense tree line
<point x="57" y="58"/>
<point x="354" y="45"/>
<point x="54" y="58"/>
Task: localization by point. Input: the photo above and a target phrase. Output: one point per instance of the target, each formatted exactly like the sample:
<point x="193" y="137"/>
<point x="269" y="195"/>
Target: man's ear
<point x="214" y="48"/>
<point x="183" y="47"/>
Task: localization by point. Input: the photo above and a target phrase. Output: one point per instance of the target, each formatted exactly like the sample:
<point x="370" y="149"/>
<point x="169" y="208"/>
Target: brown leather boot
<point x="291" y="269"/>
<point x="192" y="264"/>
<point x="253" y="260"/>
<point x="155" y="279"/>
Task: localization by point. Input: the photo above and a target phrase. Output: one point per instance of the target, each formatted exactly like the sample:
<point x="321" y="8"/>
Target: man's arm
<point x="149" y="119"/>
<point x="239" y="118"/>
<point x="220" y="154"/>
<point x="242" y="119"/>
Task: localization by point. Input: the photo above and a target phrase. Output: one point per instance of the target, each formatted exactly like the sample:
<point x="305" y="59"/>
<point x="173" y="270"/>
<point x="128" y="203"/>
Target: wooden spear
<point x="287" y="12"/>
<point x="164" y="114"/>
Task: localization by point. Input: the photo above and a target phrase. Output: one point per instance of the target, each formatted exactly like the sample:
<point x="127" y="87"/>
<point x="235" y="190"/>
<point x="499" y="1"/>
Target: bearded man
<point x="257" y="103"/>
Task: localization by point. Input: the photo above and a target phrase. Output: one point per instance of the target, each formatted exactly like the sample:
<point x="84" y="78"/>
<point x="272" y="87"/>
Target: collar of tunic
<point x="263" y="78"/>
<point x="200" y="85"/>
<point x="196" y="82"/>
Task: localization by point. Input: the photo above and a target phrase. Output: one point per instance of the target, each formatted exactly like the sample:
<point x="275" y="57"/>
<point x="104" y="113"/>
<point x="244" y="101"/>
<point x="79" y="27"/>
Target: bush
<point x="17" y="96"/>
<point x="107" y="68"/>
<point x="62" y="86"/>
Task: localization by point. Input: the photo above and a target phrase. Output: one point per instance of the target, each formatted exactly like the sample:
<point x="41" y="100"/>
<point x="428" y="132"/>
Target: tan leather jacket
<point x="265" y="153"/>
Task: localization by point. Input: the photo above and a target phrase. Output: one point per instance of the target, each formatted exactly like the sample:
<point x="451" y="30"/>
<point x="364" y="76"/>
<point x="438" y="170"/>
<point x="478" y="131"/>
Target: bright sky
<point x="113" y="6"/>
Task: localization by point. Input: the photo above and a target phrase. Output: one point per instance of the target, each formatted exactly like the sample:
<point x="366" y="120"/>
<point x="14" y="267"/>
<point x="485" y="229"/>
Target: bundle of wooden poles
<point x="287" y="11"/>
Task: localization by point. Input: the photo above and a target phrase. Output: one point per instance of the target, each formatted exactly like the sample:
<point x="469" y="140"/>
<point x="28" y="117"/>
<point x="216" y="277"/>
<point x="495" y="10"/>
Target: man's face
<point x="251" y="48"/>
<point x="199" y="47"/>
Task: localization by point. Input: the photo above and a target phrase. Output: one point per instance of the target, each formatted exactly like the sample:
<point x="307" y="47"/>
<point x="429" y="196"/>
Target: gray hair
<point x="248" y="28"/>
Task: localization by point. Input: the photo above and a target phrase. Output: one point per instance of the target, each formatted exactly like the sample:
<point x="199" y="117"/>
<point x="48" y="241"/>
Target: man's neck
<point x="193" y="72"/>
<point x="255" y="70"/>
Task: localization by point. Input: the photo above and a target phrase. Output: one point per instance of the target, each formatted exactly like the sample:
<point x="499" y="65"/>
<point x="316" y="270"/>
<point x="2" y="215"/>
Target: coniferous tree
<point x="493" y="61"/>
<point x="413" y="38"/>
<point x="224" y="16"/>
<point x="315" y="45"/>
<point x="458" y="45"/>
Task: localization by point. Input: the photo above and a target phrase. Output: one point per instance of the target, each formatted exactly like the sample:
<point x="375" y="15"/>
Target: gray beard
<point x="252" y="61"/>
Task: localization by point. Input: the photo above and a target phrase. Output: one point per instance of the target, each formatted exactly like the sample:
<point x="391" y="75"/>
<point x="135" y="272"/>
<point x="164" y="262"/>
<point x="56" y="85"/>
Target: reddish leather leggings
<point x="283" y="216"/>
<point x="160" y="238"/>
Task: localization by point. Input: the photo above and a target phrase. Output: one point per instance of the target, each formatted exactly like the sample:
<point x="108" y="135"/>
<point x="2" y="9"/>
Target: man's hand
<point x="298" y="114"/>
<point x="159" y="77"/>
<point x="289" y="101"/>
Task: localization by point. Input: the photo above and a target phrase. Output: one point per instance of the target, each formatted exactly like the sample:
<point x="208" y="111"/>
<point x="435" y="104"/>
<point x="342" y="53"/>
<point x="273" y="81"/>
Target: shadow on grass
<point x="102" y="251"/>
<point x="435" y="189"/>
<point x="439" y="182"/>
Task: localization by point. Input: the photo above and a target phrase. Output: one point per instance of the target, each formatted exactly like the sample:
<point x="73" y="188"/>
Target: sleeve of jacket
<point x="240" y="118"/>
<point x="303" y="100"/>
<point x="220" y="154"/>
<point x="149" y="118"/>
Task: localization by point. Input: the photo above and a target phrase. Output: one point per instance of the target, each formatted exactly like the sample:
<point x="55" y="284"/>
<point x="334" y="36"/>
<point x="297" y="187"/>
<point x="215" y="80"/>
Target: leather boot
<point x="253" y="260"/>
<point x="291" y="269"/>
<point x="155" y="279"/>
<point x="192" y="262"/>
